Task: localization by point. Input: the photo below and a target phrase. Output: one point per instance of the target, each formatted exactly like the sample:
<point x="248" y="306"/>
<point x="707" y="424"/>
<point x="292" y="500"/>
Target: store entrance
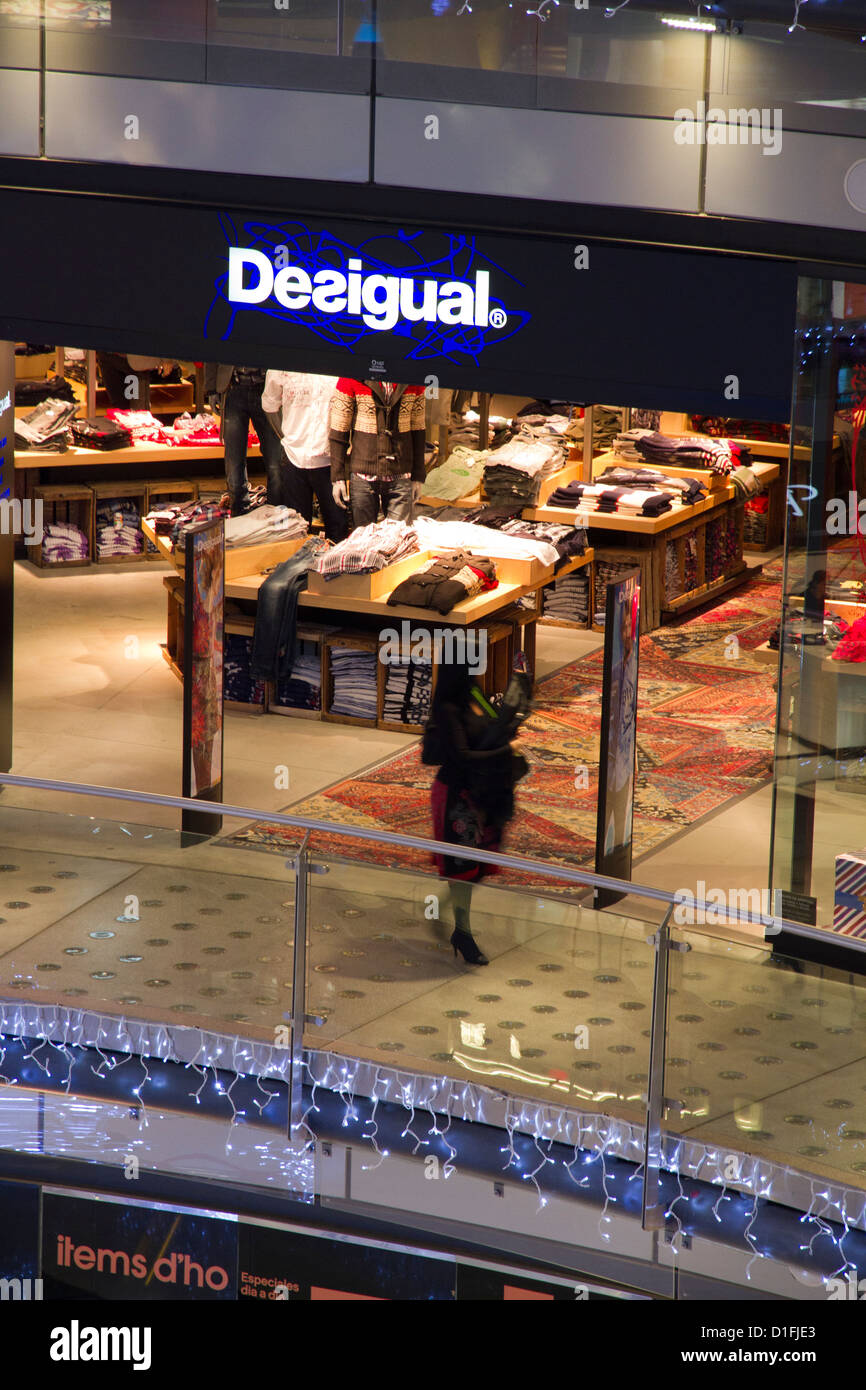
<point x="560" y="498"/>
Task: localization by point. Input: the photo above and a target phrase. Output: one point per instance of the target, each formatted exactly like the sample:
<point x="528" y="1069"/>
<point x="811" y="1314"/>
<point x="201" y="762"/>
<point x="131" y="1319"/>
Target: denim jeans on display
<point x="301" y="485"/>
<point x="394" y="497"/>
<point x="274" y="638"/>
<point x="242" y="403"/>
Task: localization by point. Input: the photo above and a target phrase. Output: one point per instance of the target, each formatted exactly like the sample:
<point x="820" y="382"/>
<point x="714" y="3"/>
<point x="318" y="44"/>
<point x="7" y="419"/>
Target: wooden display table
<point x="506" y="626"/>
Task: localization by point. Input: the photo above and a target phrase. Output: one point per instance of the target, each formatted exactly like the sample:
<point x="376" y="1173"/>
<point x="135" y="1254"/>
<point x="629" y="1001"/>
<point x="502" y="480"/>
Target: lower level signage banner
<point x="115" y="1250"/>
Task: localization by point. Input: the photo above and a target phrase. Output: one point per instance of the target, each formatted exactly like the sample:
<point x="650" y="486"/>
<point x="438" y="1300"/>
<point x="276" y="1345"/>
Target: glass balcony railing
<point x="301" y="940"/>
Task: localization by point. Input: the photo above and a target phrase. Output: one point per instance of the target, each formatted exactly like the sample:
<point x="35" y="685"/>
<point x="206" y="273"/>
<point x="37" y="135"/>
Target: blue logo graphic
<point x="346" y="293"/>
<point x="5" y="493"/>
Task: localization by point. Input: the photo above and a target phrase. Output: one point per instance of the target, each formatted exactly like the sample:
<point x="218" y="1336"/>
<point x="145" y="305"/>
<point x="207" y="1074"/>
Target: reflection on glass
<point x="818" y="844"/>
<point x="759" y="1057"/>
<point x="562" y="1010"/>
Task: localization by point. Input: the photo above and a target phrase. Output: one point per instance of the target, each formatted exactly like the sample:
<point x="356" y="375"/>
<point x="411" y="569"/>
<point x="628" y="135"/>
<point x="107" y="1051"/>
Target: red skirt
<point x="457" y="820"/>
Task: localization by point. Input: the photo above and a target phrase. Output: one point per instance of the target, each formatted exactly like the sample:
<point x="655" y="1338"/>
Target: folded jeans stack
<point x="354" y="674"/>
<point x="408" y="693"/>
<point x="303" y="688"/>
<point x="239" y="685"/>
<point x="56" y="388"/>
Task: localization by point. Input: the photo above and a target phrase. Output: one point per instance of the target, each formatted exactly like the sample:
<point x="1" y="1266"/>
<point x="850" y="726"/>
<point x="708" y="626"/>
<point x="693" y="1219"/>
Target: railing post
<point x="653" y="1209"/>
<point x="299" y="990"/>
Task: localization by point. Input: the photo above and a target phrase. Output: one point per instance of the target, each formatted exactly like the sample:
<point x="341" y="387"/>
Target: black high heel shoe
<point x="465" y="943"/>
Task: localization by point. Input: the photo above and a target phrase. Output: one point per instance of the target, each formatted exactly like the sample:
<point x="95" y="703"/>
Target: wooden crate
<point x="313" y="636"/>
<point x="66" y="504"/>
<point x="357" y="641"/>
<point x="110" y="491"/>
<point x="643" y="559"/>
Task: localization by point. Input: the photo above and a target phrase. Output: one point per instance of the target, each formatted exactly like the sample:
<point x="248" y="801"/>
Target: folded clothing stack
<point x="201" y="431"/>
<point x="693" y="451"/>
<point x="62" y="542"/>
<point x="264" y="524"/>
<point x="445" y="581"/>
<point x="354" y="674"/>
<point x="568" y="599"/>
<point x="118" y="528"/>
<point x="303" y="689"/>
<point x="238" y="683"/>
<point x="98" y="432"/>
<point x="625" y="444"/>
<point x="752" y="429"/>
<point x="567" y="540"/>
<point x="142" y="426"/>
<point x="852" y="646"/>
<point x="408" y="692"/>
<point x="368" y="549"/>
<point x="606" y="572"/>
<point x="55" y="388"/>
<point x="689" y="490"/>
<point x="190" y="514"/>
<point x="460" y="474"/>
<point x="515" y="472"/>
<point x="596" y="497"/>
<point x="480" y="540"/>
<point x="46" y="427"/>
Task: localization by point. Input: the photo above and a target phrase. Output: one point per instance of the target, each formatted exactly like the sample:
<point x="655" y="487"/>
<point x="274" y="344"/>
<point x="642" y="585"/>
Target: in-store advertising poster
<point x="613" y="852"/>
<point x="103" y="1249"/>
<point x="277" y="1263"/>
<point x="204" y="607"/>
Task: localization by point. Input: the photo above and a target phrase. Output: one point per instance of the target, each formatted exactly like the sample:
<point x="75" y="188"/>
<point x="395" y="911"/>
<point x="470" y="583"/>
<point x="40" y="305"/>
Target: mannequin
<point x="377" y="434"/>
<point x="297" y="405"/>
<point x="236" y="392"/>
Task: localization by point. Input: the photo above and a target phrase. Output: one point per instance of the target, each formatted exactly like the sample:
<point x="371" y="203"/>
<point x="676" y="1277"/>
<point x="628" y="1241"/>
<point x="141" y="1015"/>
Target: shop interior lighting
<point x="705" y="26"/>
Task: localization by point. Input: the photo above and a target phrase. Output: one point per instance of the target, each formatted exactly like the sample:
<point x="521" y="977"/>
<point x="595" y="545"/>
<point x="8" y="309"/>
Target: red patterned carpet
<point x="705" y="736"/>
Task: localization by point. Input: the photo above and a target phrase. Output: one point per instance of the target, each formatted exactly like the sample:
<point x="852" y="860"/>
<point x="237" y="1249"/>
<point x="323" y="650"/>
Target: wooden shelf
<point x="137" y="453"/>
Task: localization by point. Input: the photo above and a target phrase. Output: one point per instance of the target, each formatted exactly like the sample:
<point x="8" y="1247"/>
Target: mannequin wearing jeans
<point x="242" y="403"/>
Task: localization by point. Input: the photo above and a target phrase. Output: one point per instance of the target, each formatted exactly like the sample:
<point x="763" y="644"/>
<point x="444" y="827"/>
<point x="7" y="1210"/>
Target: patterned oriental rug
<point x="706" y="714"/>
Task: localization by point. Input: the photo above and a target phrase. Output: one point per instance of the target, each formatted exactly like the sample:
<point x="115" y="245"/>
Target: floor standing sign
<point x="616" y="773"/>
<point x="204" y="607"/>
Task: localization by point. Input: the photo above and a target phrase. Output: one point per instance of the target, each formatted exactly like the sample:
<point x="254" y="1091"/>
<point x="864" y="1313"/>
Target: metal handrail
<point x="582" y="877"/>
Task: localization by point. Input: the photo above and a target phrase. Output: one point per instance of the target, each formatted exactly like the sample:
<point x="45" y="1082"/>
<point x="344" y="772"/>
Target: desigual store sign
<point x="562" y="317"/>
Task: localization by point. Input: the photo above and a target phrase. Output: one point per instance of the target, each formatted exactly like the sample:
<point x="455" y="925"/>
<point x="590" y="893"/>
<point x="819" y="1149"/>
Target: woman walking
<point x="473" y="794"/>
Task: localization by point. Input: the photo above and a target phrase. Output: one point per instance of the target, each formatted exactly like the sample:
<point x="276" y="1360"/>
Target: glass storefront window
<point x="821" y="737"/>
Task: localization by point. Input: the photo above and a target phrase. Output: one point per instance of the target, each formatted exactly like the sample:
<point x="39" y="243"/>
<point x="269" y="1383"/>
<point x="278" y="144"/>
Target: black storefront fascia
<point x="584" y="320"/>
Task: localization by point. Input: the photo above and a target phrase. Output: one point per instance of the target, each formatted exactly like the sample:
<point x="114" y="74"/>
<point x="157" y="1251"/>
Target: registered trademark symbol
<point x="498" y="318"/>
